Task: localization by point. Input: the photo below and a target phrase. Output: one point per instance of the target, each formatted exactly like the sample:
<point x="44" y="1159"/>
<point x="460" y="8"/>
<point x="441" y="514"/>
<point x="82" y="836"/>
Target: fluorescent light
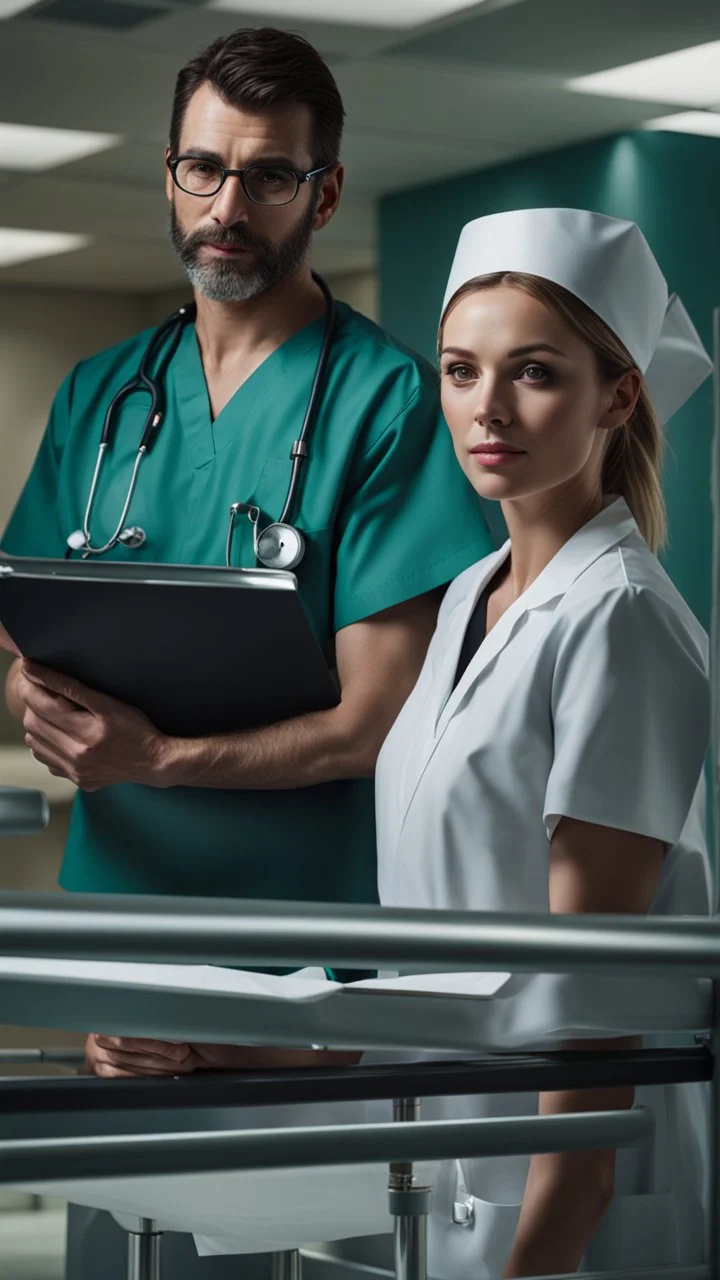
<point x="21" y="246"/>
<point x="25" y="146"/>
<point x="362" y="13"/>
<point x="690" y="77"/>
<point x="8" y="8"/>
<point x="706" y="122"/>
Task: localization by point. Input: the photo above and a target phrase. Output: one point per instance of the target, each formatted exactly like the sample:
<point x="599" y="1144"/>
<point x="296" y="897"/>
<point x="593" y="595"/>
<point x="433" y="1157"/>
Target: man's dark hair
<point x="258" y="68"/>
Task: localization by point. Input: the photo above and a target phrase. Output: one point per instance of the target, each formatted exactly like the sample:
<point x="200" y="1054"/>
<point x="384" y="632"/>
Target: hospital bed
<point x="140" y="966"/>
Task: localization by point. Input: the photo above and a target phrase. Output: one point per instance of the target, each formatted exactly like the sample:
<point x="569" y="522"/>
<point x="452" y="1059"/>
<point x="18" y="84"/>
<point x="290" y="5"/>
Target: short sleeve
<point x="410" y="520"/>
<point x="34" y="526"/>
<point x="630" y="715"/>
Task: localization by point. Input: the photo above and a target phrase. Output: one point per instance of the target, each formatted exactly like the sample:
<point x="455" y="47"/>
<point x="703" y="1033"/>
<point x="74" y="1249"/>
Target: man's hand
<point x="97" y="741"/>
<point x="88" y="737"/>
<point x="125" y="1056"/>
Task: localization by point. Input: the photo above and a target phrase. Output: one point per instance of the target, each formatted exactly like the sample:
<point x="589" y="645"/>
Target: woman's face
<point x="523" y="397"/>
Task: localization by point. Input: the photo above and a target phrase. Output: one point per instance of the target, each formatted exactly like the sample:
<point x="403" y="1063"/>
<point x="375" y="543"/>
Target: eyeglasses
<point x="262" y="183"/>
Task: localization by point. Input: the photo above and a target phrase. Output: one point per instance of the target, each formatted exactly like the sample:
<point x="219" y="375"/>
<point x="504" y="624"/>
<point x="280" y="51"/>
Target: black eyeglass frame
<point x="300" y="177"/>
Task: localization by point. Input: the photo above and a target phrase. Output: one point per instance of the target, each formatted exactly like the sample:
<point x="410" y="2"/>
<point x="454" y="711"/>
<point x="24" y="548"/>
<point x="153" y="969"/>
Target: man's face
<point x="233" y="249"/>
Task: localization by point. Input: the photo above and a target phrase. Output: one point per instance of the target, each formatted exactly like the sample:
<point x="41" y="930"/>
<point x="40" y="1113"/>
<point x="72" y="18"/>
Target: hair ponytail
<point x="632" y="468"/>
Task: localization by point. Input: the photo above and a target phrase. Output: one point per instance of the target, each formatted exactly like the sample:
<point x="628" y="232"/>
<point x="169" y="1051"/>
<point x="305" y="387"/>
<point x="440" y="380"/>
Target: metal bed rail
<point x="208" y="1090"/>
<point x="23" y="811"/>
<point x="120" y="1155"/>
<point x="265" y="935"/>
<point x="270" y="934"/>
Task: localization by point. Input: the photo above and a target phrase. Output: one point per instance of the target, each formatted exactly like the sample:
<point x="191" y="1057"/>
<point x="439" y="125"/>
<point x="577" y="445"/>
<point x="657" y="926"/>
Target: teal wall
<point x="670" y="184"/>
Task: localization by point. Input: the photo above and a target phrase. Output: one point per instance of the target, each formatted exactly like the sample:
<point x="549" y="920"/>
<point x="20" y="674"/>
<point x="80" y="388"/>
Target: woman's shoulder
<point x="628" y="593"/>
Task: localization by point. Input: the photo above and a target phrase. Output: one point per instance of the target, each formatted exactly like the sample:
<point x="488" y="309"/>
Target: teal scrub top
<point x="386" y="512"/>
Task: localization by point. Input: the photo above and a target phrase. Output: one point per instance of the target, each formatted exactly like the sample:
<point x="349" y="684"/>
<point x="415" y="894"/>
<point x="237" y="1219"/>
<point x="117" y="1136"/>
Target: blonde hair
<point x="632" y="465"/>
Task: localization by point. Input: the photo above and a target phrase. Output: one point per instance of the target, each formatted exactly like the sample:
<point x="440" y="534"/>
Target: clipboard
<point x="200" y="650"/>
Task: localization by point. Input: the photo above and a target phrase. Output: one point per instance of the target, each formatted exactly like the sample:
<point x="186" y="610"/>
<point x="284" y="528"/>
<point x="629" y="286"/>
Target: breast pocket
<point x="468" y="1237"/>
<point x="270" y="490"/>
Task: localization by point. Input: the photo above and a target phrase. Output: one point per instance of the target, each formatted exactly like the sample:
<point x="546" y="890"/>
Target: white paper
<point x="249" y="1212"/>
<point x="437" y="1012"/>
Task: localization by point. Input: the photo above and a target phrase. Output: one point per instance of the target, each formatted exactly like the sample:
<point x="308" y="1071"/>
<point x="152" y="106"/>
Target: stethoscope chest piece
<point x="277" y="546"/>
<point x="280" y="546"/>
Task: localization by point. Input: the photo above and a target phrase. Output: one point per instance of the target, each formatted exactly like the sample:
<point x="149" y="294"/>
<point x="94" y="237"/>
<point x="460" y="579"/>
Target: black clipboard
<point x="199" y="650"/>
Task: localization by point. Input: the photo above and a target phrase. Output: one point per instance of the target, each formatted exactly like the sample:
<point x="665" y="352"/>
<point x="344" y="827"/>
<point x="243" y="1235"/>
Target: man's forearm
<point x="97" y="741"/>
<point x="303" y="752"/>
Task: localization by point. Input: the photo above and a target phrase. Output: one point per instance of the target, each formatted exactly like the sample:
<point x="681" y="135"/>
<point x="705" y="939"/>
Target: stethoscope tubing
<point x="154" y="386"/>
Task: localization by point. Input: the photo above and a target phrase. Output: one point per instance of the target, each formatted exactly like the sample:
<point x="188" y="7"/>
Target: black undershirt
<point x="477" y="626"/>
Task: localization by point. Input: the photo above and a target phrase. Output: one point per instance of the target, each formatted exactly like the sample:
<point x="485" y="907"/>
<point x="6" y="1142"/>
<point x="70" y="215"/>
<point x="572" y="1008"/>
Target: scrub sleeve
<point x="34" y="528"/>
<point x="410" y="521"/>
<point x="630" y="718"/>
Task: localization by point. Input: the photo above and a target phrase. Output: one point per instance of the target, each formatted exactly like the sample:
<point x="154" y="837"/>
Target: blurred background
<point x="455" y="109"/>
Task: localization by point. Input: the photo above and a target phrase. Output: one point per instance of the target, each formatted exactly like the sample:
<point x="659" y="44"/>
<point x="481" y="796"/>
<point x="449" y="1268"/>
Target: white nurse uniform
<point x="589" y="700"/>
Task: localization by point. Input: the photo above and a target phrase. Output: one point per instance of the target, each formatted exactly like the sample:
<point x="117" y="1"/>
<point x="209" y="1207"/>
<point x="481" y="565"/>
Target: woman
<point x="550" y="756"/>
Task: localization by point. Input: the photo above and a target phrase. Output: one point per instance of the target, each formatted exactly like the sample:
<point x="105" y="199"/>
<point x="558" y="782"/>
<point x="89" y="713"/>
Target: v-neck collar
<point x="205" y="434"/>
<point x="614" y="523"/>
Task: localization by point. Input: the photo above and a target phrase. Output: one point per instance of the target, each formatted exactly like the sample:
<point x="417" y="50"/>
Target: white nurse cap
<point x="609" y="265"/>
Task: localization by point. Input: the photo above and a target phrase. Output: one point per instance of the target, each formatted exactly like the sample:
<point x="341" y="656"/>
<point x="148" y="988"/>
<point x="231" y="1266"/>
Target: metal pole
<point x="287" y="1265"/>
<point x="409" y="1205"/>
<point x="121" y="1155"/>
<point x="715" y="616"/>
<point x="712" y="1245"/>
<point x="23" y="811"/>
<point x="168" y="930"/>
<point x="52" y="1057"/>
<point x="144" y="1251"/>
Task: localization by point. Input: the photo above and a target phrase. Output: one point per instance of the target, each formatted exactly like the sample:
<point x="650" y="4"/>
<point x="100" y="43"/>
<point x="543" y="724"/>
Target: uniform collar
<point x="611" y="526"/>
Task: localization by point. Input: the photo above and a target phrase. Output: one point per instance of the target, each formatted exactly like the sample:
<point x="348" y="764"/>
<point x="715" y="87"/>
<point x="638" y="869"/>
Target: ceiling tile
<point x="569" y="37"/>
<point x="97" y="209"/>
<point x="185" y="33"/>
<point x="113" y="265"/>
<point x="385" y="161"/>
<point x="460" y="96"/>
<point x="112" y="15"/>
<point x="83" y="80"/>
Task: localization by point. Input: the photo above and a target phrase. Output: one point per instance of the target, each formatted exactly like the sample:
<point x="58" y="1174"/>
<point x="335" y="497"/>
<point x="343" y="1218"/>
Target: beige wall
<point x="42" y="335"/>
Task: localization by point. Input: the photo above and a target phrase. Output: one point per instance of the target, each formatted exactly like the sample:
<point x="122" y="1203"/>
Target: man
<point x="284" y="811"/>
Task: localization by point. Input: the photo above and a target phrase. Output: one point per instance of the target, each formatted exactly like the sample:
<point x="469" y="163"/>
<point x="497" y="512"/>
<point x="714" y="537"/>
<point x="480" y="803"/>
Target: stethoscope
<point x="277" y="546"/>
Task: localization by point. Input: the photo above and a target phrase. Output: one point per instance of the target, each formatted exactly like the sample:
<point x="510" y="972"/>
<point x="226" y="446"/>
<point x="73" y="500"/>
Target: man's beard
<point x="236" y="280"/>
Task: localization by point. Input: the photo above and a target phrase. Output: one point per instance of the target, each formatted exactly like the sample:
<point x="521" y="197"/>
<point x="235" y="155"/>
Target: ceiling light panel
<point x="360" y="13"/>
<point x="689" y="77"/>
<point x="24" y="146"/>
<point x="10" y="8"/>
<point x="22" y="246"/>
<point x="702" y="122"/>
